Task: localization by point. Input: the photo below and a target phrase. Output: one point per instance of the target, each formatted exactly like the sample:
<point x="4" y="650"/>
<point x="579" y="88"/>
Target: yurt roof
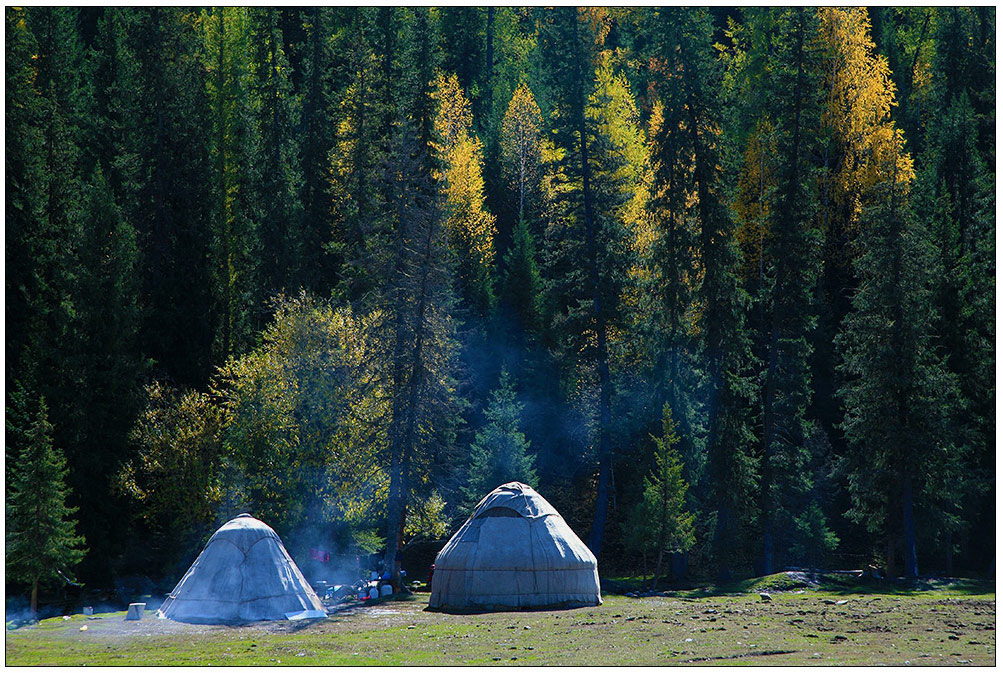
<point x="519" y="498"/>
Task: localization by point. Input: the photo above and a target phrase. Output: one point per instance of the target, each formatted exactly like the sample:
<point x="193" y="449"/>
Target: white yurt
<point x="244" y="574"/>
<point x="515" y="551"/>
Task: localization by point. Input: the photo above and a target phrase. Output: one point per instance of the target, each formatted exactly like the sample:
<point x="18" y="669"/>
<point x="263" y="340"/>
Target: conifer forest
<point x="718" y="283"/>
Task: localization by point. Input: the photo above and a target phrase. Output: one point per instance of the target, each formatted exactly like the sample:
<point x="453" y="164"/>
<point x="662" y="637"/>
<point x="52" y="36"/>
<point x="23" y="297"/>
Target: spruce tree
<point x="898" y="395"/>
<point x="323" y="51"/>
<point x="792" y="251"/>
<point x="53" y="242"/>
<point x="593" y="129"/>
<point x="237" y="208"/>
<point x="277" y="176"/>
<point x="360" y="144"/>
<point x="521" y="289"/>
<point x="105" y="360"/>
<point x="690" y="157"/>
<point x="23" y="172"/>
<point x="954" y="195"/>
<point x="463" y="32"/>
<point x="670" y="277"/>
<point x="42" y="544"/>
<point x="500" y="451"/>
<point x="173" y="217"/>
<point x="661" y="522"/>
<point x="112" y="125"/>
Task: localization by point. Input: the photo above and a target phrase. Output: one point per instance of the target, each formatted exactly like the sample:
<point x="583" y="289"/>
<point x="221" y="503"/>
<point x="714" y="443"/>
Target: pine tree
<point x="23" y="172"/>
<point x="687" y="144"/>
<point x="593" y="129"/>
<point x="521" y="290"/>
<point x="105" y="360"/>
<point x="237" y="209"/>
<point x="323" y="48"/>
<point x="500" y="451"/>
<point x="42" y="543"/>
<point x="662" y="523"/>
<point x="172" y="218"/>
<point x="898" y="393"/>
<point x="792" y="255"/>
<point x="277" y="176"/>
<point x="359" y="148"/>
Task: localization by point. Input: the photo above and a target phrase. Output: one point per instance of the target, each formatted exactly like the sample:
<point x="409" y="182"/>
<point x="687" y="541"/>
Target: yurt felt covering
<point x="244" y="574"/>
<point x="515" y="551"/>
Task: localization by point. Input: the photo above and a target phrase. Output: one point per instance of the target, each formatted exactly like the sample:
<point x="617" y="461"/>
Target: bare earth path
<point x="792" y="629"/>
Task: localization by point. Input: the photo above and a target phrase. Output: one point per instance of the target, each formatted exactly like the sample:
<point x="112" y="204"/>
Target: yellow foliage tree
<point x="461" y="158"/>
<point x="304" y="428"/>
<point x="520" y="144"/>
<point x="615" y="114"/>
<point x="860" y="96"/>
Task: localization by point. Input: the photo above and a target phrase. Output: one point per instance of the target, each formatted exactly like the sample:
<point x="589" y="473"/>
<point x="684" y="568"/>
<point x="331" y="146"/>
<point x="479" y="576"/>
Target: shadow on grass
<point x="486" y="611"/>
<point x="906" y="587"/>
<point x="821" y="582"/>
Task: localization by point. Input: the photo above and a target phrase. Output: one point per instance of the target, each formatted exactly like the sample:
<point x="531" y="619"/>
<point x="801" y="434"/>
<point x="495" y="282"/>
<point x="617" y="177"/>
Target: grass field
<point x="946" y="624"/>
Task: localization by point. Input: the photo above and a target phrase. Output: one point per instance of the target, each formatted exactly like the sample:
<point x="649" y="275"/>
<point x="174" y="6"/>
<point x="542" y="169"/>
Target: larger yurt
<point x="515" y="551"/>
<point x="244" y="574"/>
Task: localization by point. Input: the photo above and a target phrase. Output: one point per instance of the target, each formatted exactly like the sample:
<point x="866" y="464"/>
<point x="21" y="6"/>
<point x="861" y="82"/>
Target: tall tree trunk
<point x="768" y="551"/>
<point x="398" y="422"/>
<point x="599" y="321"/>
<point x="909" y="528"/>
<point x="949" y="560"/>
<point x="34" y="598"/>
<point x="776" y="367"/>
<point x="658" y="569"/>
<point x="769" y="424"/>
<point x="720" y="534"/>
<point x="414" y="381"/>
<point x="890" y="556"/>
<point x="395" y="513"/>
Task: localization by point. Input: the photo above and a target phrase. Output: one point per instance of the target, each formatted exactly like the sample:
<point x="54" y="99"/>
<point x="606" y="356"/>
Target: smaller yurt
<point x="244" y="574"/>
<point x="515" y="551"/>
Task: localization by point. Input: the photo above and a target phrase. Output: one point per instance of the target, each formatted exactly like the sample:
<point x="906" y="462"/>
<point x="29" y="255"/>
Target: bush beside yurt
<point x="515" y="551"/>
<point x="244" y="574"/>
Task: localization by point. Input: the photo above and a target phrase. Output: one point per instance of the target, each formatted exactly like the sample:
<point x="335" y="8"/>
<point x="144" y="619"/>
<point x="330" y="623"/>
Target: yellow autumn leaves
<point x="868" y="149"/>
<point x="471" y="227"/>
